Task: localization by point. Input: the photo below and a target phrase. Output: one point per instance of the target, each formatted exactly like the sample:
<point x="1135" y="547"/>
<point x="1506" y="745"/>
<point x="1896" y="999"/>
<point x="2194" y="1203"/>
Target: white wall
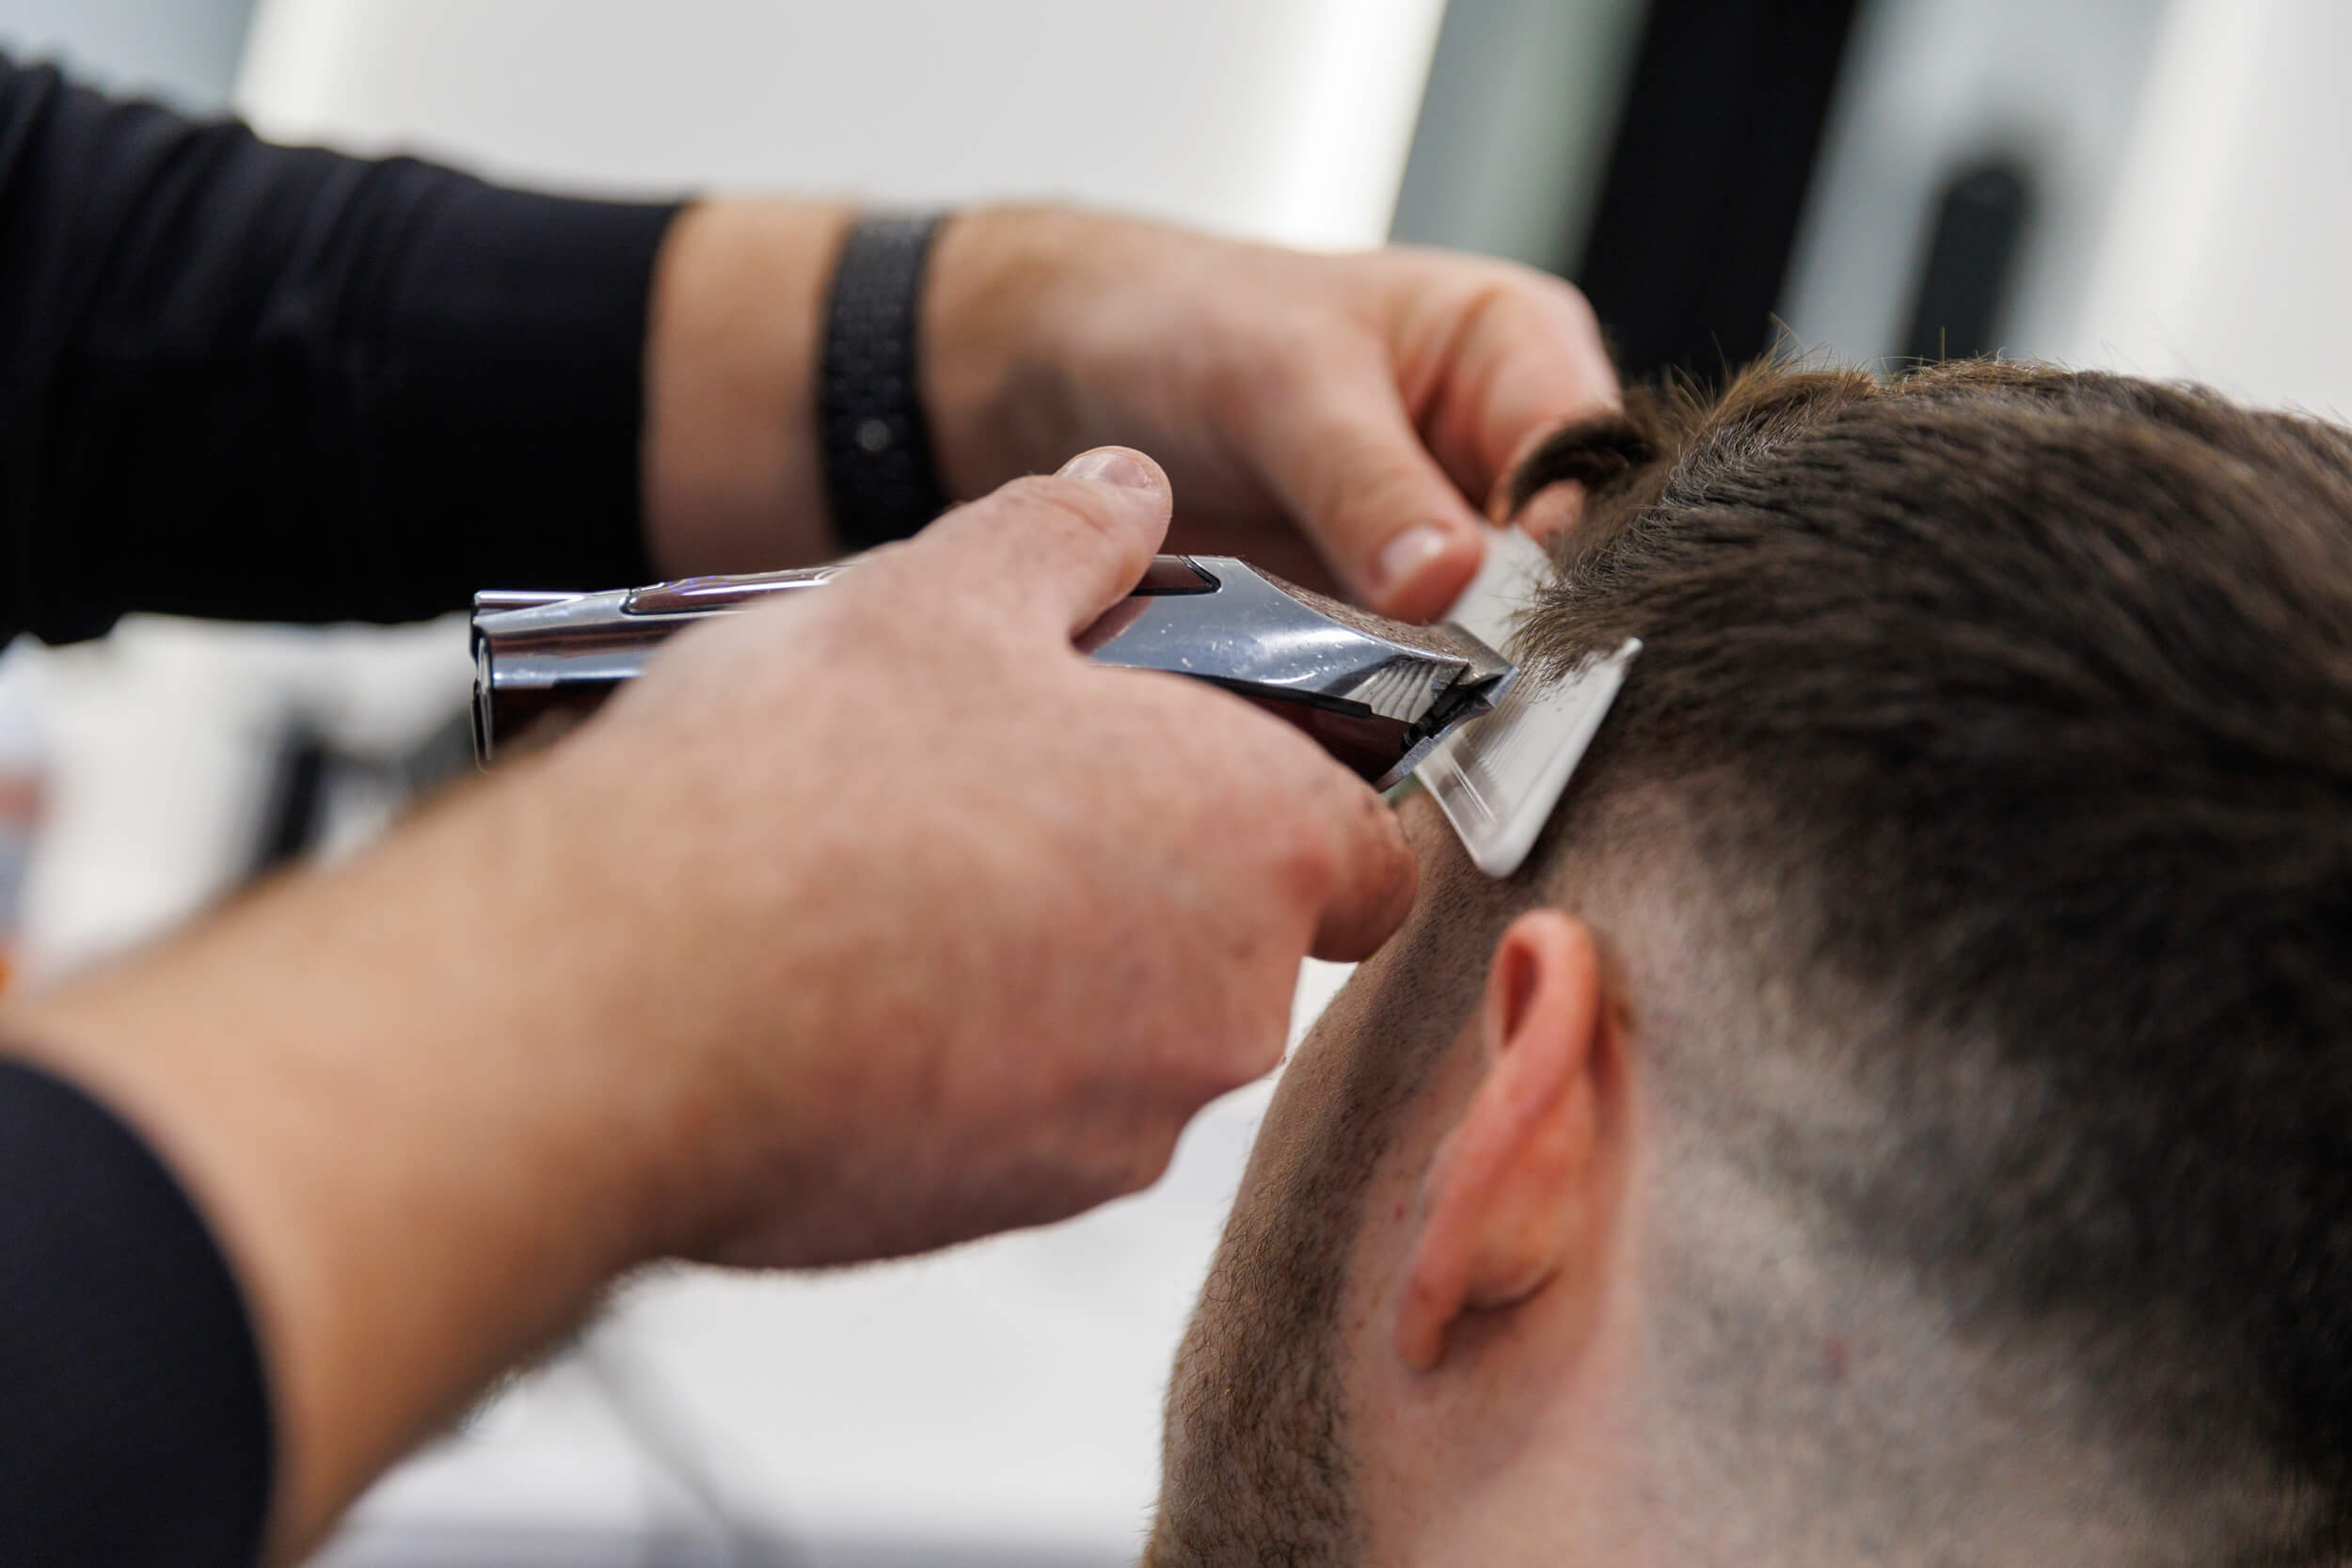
<point x="1288" y="118"/>
<point x="1517" y="126"/>
<point x="1930" y="84"/>
<point x="183" y="51"/>
<point x="2196" y="199"/>
<point x="2224" y="257"/>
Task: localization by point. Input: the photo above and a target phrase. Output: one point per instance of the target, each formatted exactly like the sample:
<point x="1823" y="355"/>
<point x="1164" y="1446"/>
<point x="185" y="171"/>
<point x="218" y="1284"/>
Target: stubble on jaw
<point x="1259" y="1470"/>
<point x="1256" y="1463"/>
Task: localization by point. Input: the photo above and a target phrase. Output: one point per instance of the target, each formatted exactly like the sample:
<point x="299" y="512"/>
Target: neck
<point x="1529" y="1442"/>
<point x="1810" y="1407"/>
<point x="1686" y="1419"/>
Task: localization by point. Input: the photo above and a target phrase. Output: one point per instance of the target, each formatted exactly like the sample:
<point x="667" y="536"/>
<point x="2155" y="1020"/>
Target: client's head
<point x="1903" y="1111"/>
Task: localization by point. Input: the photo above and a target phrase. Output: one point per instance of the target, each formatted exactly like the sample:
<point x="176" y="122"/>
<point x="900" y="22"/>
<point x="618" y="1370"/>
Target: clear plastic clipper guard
<point x="1497" y="778"/>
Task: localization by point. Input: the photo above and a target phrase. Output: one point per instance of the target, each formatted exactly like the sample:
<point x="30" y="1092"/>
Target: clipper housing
<point x="1376" y="694"/>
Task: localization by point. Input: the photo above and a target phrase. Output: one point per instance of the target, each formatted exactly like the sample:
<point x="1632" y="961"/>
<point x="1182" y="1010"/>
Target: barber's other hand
<point x="1371" y="400"/>
<point x="934" y="927"/>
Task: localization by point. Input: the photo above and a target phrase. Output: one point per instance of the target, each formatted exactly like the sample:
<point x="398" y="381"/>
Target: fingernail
<point x="1405" y="554"/>
<point x="1112" y="466"/>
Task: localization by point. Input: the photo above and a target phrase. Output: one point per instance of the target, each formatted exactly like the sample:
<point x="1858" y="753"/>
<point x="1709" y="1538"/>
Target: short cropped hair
<point x="2034" y="691"/>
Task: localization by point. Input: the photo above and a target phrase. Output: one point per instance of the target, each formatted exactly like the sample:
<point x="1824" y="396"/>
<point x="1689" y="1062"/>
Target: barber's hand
<point x="937" y="928"/>
<point x="861" y="922"/>
<point x="1371" y="400"/>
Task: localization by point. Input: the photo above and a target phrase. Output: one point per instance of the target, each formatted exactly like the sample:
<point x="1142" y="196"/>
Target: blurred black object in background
<point x="1971" y="256"/>
<point x="1690" y="242"/>
<point x="1867" y="179"/>
<point x="316" y="786"/>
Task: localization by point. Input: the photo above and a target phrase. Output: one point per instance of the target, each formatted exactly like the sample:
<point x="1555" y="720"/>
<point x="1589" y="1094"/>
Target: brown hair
<point x="2035" y="689"/>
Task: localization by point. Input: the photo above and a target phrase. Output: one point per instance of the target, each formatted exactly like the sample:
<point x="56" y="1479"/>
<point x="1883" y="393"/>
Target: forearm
<point x="734" y="472"/>
<point x="403" y="1136"/>
<point x="733" y="477"/>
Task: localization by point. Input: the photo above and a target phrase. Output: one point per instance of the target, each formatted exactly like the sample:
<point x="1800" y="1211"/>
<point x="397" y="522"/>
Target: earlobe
<point x="1505" y="1188"/>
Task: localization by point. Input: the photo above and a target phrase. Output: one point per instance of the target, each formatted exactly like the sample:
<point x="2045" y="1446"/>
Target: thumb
<point x="1055" y="552"/>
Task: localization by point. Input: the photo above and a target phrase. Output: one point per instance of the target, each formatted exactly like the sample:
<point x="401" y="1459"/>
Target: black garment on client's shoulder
<point x="245" y="381"/>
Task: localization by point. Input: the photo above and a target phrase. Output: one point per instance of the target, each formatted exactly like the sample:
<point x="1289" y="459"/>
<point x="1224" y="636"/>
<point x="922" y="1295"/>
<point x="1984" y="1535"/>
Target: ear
<point x="1501" y="1205"/>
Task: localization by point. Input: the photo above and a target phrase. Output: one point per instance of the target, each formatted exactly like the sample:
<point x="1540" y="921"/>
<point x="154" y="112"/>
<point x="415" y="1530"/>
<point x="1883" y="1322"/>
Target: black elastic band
<point x="880" y="477"/>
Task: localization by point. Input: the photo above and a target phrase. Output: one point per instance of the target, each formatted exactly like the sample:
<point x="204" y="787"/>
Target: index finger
<point x="1529" y="359"/>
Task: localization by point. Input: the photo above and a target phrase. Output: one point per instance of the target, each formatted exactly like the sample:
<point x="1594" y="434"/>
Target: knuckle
<point x="1506" y="309"/>
<point x="1152" y="1159"/>
<point x="1579" y="308"/>
<point x="1367" y="492"/>
<point x="1389" y="490"/>
<point x="850" y="625"/>
<point x="1511" y="300"/>
<point x="1277" y="373"/>
<point x="1308" y="862"/>
<point x="1064" y="506"/>
<point x="1256" y="1047"/>
<point x="1137" y="1166"/>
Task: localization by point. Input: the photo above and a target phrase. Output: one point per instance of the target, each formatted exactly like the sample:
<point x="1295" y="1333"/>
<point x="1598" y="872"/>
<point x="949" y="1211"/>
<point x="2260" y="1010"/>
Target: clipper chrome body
<point x="1377" y="694"/>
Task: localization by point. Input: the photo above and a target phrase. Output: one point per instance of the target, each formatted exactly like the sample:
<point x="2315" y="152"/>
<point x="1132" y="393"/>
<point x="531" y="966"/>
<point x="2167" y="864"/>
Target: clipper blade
<point x="1496" y="778"/>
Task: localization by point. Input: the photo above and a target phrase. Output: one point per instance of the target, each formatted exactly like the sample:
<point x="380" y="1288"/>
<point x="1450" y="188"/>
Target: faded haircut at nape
<point x="1979" y="822"/>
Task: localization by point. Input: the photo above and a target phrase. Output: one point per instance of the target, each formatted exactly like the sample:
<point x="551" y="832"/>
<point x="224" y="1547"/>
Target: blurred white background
<point x="1281" y="118"/>
<point x="186" y="51"/>
<point x="2186" y="163"/>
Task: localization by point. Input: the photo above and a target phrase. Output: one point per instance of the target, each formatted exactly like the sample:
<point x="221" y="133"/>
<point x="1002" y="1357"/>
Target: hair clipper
<point x="1376" y="694"/>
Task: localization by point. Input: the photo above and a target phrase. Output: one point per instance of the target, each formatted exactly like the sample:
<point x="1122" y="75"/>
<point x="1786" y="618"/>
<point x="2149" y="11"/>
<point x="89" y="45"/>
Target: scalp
<point x="2007" y="714"/>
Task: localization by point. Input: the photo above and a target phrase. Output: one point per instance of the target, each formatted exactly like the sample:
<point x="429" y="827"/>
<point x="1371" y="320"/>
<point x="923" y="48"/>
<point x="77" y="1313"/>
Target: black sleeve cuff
<point x="271" y="383"/>
<point x="510" y="409"/>
<point x="134" y="1420"/>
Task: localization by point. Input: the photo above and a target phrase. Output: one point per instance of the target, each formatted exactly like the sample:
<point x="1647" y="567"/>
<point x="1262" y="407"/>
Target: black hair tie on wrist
<point x="880" y="479"/>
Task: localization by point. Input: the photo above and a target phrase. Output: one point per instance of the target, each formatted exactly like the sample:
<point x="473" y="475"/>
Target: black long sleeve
<point x="134" y="1429"/>
<point x="245" y="381"/>
<point x="248" y="381"/>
